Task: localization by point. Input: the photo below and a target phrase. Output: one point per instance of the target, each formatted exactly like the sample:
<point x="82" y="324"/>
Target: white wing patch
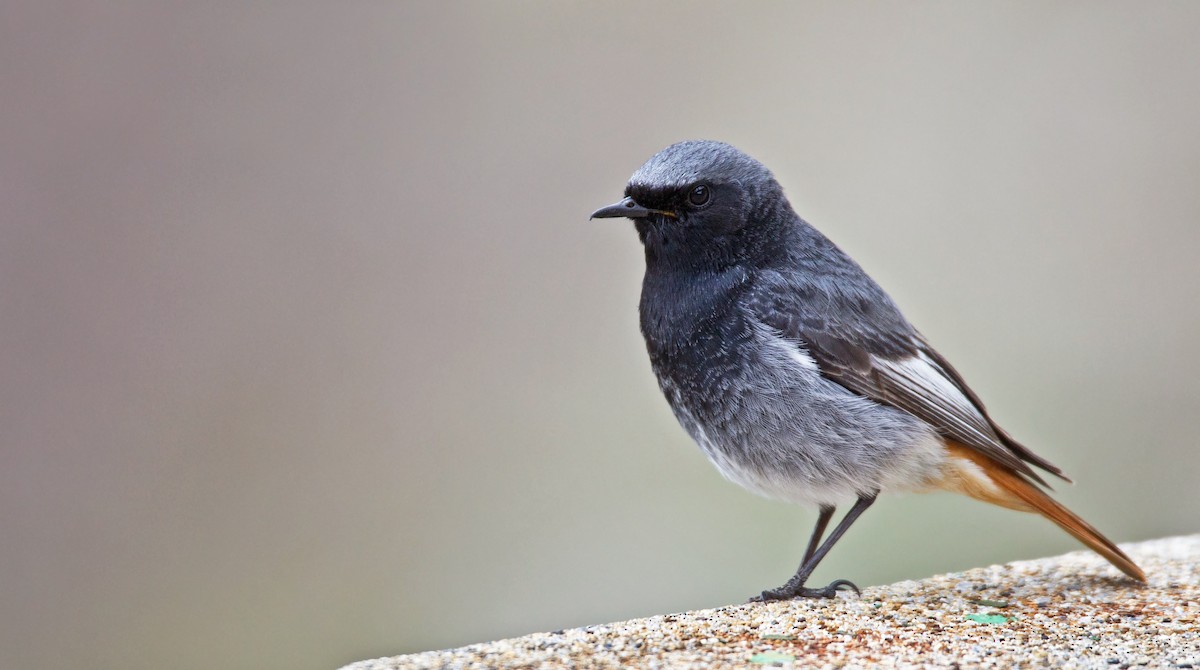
<point x="789" y="349"/>
<point x="924" y="380"/>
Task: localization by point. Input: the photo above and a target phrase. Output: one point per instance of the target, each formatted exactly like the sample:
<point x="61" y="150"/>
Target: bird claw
<point x="787" y="592"/>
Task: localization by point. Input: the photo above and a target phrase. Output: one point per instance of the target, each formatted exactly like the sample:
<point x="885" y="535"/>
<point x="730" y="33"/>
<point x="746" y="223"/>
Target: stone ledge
<point x="1067" y="611"/>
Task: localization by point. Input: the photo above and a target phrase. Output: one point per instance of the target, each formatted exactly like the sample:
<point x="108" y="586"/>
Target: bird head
<point x="700" y="202"/>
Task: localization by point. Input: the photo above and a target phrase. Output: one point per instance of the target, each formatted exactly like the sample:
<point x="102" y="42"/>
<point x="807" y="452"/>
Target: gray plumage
<point x="778" y="354"/>
<point x="793" y="370"/>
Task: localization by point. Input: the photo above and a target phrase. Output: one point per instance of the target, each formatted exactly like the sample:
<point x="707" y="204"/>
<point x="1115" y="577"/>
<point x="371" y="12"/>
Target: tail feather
<point x="1013" y="491"/>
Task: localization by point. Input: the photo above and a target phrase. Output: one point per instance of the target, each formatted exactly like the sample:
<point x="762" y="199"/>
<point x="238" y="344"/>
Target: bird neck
<point x="678" y="302"/>
<point x="671" y="249"/>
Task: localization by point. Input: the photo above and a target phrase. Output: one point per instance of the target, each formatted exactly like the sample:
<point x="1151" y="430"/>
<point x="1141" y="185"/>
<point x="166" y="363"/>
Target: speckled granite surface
<point x="1067" y="611"/>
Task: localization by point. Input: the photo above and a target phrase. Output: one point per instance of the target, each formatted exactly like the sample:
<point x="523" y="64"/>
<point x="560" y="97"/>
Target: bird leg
<point x="819" y="530"/>
<point x="794" y="588"/>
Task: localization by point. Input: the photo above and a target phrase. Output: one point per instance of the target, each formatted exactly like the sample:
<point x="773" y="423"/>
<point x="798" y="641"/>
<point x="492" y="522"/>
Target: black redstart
<point x="795" y="373"/>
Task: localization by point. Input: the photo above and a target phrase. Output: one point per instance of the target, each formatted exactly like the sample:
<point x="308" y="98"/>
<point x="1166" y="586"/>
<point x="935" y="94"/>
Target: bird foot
<point x="787" y="591"/>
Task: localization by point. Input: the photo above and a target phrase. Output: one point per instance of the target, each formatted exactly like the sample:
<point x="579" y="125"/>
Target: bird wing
<point x="859" y="339"/>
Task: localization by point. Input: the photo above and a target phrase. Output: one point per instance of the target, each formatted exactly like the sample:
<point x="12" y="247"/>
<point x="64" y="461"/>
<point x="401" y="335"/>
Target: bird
<point x="795" y="373"/>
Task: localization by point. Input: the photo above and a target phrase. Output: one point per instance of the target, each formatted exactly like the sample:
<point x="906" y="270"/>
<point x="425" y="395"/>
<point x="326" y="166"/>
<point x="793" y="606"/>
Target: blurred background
<point x="309" y="353"/>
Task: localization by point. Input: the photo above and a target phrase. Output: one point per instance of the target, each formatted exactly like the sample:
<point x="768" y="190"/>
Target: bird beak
<point x="627" y="208"/>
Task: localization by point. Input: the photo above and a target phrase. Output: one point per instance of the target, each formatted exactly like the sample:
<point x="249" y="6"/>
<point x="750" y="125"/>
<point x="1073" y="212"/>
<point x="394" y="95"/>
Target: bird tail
<point x="1008" y="489"/>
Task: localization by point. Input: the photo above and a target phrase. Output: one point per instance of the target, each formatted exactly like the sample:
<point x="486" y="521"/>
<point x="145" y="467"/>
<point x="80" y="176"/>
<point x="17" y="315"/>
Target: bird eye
<point x="699" y="195"/>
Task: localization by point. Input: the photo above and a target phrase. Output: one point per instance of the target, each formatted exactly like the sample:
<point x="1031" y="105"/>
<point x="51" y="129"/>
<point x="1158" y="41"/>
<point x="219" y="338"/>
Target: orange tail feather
<point x="1014" y="492"/>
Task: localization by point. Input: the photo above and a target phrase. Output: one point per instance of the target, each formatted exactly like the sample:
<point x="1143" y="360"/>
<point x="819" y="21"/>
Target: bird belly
<point x="771" y="423"/>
